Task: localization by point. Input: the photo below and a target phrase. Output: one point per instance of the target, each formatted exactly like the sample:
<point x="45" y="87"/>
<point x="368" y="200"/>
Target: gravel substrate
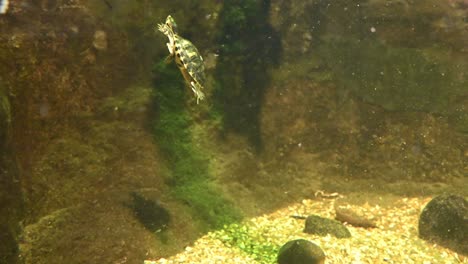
<point x="395" y="240"/>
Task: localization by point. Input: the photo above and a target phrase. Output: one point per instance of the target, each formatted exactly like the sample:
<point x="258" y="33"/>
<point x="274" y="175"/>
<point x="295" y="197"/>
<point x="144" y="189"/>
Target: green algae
<point x="189" y="176"/>
<point x="250" y="240"/>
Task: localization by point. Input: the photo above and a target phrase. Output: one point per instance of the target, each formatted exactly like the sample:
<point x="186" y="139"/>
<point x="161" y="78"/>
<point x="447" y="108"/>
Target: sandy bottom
<point x="395" y="240"/>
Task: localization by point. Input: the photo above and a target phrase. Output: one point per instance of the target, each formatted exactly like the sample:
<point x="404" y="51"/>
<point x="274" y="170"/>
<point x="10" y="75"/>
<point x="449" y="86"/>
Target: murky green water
<point x="106" y="156"/>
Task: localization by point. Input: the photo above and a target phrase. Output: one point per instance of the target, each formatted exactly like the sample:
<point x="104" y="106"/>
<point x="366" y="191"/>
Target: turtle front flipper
<point x="163" y="28"/>
<point x="170" y="34"/>
<point x="170" y="47"/>
<point x="169" y="58"/>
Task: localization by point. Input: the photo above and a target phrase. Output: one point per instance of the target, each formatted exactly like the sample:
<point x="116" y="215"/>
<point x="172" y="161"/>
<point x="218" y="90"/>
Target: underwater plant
<point x="249" y="240"/>
<point x="189" y="176"/>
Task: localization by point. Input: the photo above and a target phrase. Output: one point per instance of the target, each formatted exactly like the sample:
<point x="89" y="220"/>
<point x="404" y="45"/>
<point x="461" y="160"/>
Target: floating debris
<point x="348" y="216"/>
<point x="100" y="40"/>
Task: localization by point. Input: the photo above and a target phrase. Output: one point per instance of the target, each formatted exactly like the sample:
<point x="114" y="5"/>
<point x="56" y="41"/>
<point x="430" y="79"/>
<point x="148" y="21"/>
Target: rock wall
<point x="370" y="90"/>
<point x="11" y="197"/>
<point x="402" y="56"/>
<point x="77" y="75"/>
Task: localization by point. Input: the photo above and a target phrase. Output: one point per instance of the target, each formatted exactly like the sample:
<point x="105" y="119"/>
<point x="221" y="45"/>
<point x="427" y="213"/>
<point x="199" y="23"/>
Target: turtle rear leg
<point x="197" y="91"/>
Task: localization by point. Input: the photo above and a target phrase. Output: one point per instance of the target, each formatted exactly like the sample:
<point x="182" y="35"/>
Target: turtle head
<point x="170" y="22"/>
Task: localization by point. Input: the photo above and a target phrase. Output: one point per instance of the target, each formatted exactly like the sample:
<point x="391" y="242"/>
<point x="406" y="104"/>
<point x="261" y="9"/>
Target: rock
<point x="150" y="213"/>
<point x="317" y="225"/>
<point x="43" y="234"/>
<point x="346" y="215"/>
<point x="300" y="251"/>
<point x="445" y="220"/>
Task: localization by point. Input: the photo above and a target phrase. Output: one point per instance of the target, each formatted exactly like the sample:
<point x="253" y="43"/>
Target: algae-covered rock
<point x="149" y="212"/>
<point x="445" y="220"/>
<point x="39" y="237"/>
<point x="301" y="251"/>
<point x="398" y="79"/>
<point x="373" y="82"/>
<point x="403" y="57"/>
<point x="317" y="225"/>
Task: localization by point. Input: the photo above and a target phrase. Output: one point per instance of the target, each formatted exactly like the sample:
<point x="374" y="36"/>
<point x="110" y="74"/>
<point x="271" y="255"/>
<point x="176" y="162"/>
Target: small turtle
<point x="186" y="56"/>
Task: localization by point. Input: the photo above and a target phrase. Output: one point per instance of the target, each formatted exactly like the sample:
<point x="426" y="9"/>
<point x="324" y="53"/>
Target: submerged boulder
<point x="444" y="220"/>
<point x="300" y="251"/>
<point x="150" y="213"/>
<point x="323" y="226"/>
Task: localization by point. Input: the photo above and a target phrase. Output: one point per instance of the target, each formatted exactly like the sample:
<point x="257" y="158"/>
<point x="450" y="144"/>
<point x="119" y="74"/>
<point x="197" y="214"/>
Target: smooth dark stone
<point x="301" y="251"/>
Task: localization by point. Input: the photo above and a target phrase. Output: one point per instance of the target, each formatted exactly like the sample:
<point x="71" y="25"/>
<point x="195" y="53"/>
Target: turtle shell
<point x="189" y="59"/>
